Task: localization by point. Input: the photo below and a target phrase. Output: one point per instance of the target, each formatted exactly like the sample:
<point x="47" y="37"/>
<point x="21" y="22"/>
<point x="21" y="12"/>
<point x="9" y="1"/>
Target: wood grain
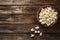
<point x="26" y="1"/>
<point x="17" y="17"/>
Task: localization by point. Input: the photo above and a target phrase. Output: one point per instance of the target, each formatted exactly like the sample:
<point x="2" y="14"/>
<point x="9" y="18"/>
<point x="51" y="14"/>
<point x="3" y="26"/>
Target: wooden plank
<point x="25" y="28"/>
<point x="15" y="37"/>
<point x="17" y="19"/>
<point x="7" y="37"/>
<point x="27" y="37"/>
<point x="29" y="2"/>
<point x="6" y="1"/>
<point x="23" y="9"/>
<point x="18" y="10"/>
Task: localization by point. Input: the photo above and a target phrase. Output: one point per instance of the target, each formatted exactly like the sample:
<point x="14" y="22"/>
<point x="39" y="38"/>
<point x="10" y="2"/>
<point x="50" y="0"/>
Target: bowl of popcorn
<point x="47" y="16"/>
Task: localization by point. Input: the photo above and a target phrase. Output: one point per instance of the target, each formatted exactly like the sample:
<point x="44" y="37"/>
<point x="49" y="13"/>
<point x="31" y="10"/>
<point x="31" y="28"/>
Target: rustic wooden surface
<point x="17" y="17"/>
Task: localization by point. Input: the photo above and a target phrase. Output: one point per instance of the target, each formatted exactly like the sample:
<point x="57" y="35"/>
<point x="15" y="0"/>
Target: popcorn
<point x="32" y="35"/>
<point x="32" y="29"/>
<point x="47" y="16"/>
<point x="37" y="27"/>
<point x="42" y="22"/>
<point x="41" y="34"/>
<point x="49" y="8"/>
<point x="36" y="31"/>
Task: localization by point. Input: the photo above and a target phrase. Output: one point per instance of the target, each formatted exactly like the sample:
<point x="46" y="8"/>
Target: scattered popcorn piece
<point x="41" y="34"/>
<point x="36" y="31"/>
<point x="32" y="29"/>
<point x="32" y="35"/>
<point x="37" y="27"/>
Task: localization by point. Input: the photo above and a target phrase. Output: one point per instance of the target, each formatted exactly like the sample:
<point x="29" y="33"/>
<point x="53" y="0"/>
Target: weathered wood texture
<point x="26" y="1"/>
<point x="17" y="17"/>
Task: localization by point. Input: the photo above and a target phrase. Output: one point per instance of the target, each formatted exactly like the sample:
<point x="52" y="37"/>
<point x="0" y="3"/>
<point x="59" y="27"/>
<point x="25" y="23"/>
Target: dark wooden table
<point x="17" y="17"/>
